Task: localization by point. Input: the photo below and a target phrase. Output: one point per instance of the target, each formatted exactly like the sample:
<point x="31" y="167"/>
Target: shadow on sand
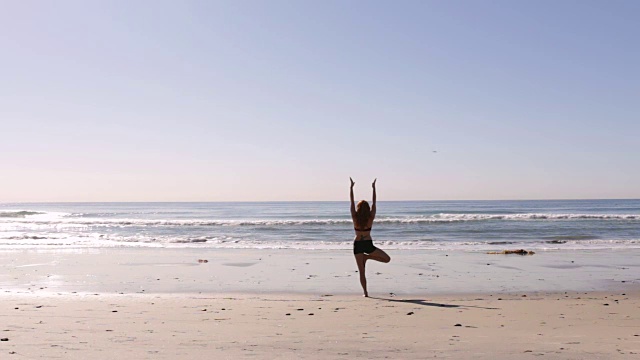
<point x="427" y="303"/>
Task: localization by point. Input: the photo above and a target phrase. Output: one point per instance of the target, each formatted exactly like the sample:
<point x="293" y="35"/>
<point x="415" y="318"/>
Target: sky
<point x="285" y="100"/>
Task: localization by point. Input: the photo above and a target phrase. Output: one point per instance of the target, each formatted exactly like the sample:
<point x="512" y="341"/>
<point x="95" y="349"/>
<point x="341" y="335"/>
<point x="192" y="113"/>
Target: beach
<point x="289" y="304"/>
<point x="208" y="180"/>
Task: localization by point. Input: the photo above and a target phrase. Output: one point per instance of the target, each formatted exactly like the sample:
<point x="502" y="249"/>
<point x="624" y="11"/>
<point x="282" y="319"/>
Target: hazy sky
<point x="284" y="100"/>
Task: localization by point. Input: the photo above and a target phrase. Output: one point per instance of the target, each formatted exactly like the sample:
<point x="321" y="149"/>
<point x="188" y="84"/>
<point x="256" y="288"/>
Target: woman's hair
<point x="363" y="212"/>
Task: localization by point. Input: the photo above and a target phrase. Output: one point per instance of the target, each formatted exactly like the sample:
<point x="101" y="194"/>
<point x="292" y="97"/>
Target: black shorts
<point x="363" y="246"/>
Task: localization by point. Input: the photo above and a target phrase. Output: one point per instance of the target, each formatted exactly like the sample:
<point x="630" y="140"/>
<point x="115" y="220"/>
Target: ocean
<point x="434" y="225"/>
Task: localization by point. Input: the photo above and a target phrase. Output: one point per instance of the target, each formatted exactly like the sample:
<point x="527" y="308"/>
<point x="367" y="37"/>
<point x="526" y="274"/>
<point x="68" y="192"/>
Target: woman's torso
<point x="363" y="234"/>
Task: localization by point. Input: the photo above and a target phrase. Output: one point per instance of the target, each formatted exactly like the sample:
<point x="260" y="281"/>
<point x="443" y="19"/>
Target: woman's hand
<point x="373" y="185"/>
<point x="352" y="183"/>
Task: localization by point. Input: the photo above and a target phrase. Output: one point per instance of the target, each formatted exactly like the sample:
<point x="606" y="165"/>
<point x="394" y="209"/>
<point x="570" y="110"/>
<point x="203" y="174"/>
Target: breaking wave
<point x="437" y="218"/>
<point x="18" y="214"/>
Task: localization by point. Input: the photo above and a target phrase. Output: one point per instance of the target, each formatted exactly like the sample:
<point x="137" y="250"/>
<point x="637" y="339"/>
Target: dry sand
<point x="516" y="326"/>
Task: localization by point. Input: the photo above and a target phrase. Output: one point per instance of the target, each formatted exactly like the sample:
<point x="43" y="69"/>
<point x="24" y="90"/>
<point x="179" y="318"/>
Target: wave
<point x="535" y="216"/>
<point x="148" y="222"/>
<point x="69" y="220"/>
<point x="26" y="237"/>
<point x="18" y="214"/>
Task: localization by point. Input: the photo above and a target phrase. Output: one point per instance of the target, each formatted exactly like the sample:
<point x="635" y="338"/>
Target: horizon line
<point x="297" y="201"/>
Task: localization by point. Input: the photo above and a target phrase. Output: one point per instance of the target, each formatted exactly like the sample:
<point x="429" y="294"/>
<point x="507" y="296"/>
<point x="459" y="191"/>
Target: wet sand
<point x="180" y="270"/>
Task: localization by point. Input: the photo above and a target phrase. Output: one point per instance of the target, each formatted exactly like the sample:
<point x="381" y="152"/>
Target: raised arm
<point x="373" y="202"/>
<point x="353" y="204"/>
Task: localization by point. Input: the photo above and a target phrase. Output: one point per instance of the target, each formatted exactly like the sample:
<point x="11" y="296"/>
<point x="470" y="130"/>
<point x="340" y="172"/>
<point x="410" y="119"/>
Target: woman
<point x="363" y="248"/>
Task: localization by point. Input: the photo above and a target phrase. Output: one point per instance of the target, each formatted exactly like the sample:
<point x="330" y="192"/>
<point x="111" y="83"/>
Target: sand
<point x="164" y="304"/>
<point x="554" y="326"/>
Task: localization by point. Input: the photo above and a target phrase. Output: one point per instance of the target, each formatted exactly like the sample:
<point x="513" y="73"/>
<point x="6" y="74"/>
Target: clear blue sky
<point x="284" y="100"/>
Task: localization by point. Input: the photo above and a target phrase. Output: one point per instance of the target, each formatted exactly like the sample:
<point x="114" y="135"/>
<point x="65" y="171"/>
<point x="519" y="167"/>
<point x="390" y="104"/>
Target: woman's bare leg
<point x="379" y="255"/>
<point x="361" y="260"/>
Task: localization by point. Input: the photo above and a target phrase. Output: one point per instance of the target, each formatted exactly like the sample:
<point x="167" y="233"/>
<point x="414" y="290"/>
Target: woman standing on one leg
<point x="363" y="248"/>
